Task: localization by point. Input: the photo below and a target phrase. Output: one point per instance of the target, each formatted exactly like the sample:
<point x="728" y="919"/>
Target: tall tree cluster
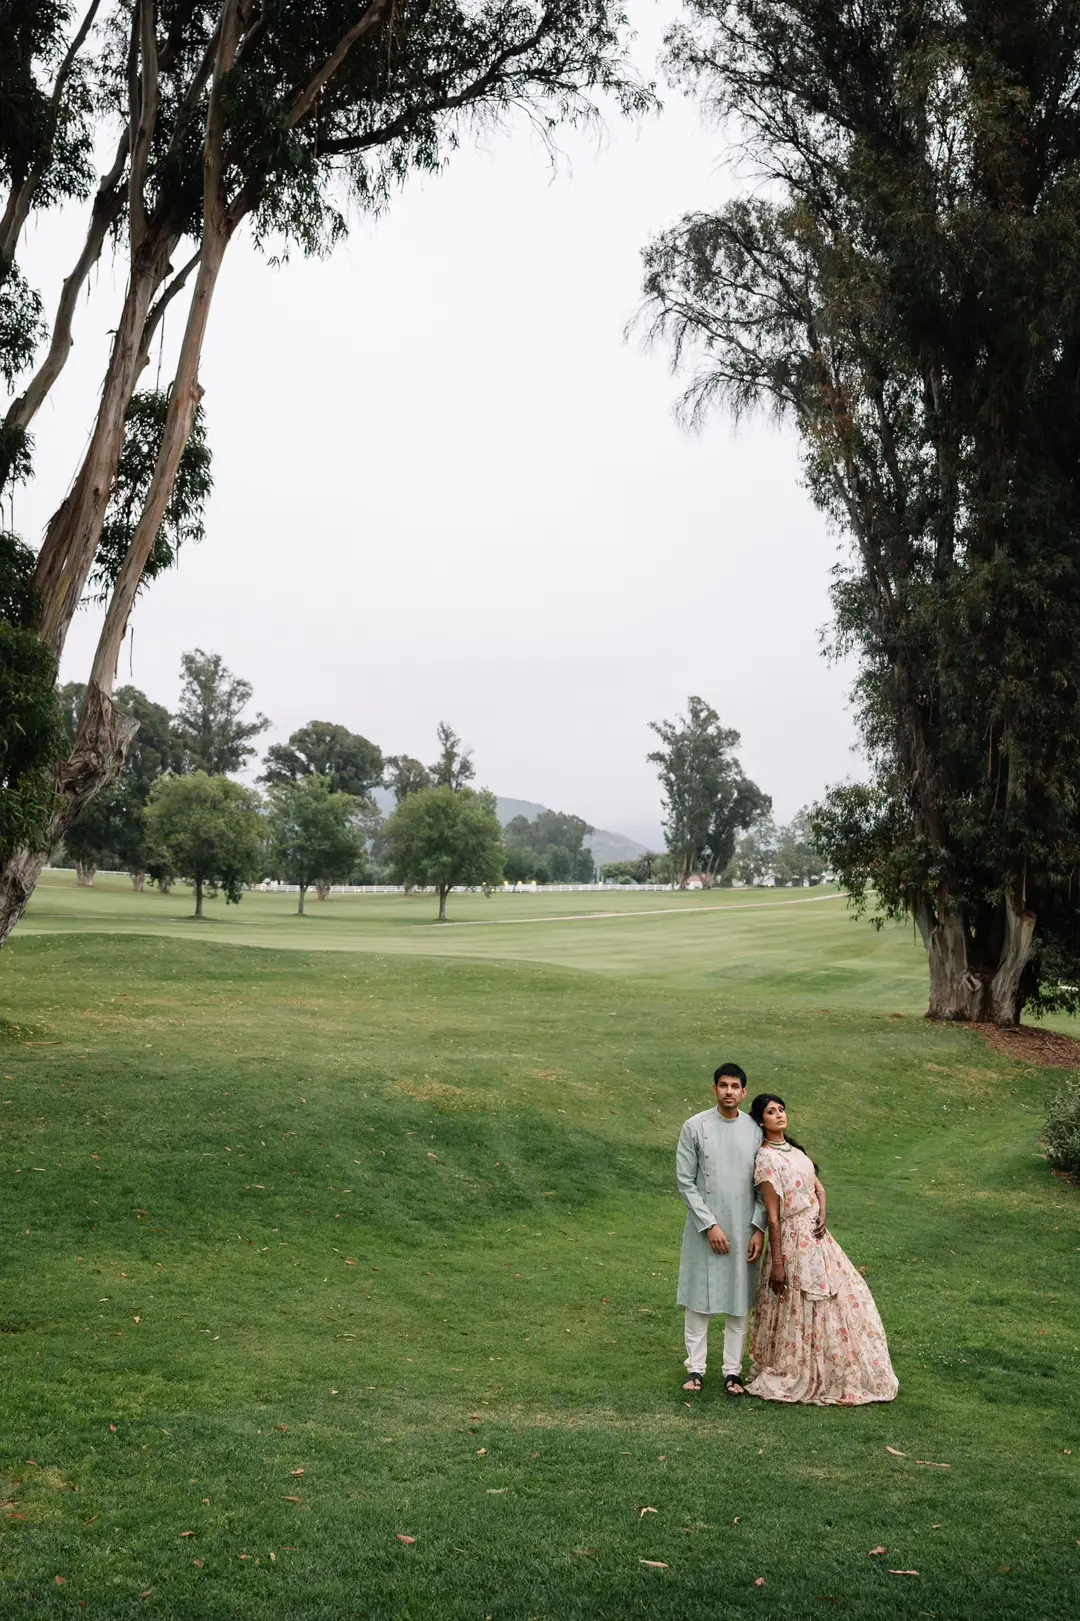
<point x="218" y="117"/>
<point x="900" y="281"/>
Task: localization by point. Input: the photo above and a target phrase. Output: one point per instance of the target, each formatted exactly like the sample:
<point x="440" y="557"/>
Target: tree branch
<point x="142" y="112"/>
<point x="21" y="199"/>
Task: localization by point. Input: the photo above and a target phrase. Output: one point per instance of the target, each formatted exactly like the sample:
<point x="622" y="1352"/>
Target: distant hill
<point x="605" y="846"/>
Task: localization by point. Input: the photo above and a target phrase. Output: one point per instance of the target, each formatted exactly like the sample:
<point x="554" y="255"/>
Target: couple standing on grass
<point x="817" y="1334"/>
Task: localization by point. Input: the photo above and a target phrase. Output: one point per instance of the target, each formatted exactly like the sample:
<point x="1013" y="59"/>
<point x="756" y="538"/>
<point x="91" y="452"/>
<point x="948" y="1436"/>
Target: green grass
<point x="361" y="1180"/>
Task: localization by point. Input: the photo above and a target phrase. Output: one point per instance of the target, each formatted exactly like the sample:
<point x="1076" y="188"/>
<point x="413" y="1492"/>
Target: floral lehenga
<point x="821" y="1340"/>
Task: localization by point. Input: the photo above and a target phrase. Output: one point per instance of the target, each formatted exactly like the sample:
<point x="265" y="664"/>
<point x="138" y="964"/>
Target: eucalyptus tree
<point x="351" y="763"/>
<point x="708" y="799"/>
<point x="209" y="728"/>
<point x="900" y="281"/>
<point x="228" y="115"/>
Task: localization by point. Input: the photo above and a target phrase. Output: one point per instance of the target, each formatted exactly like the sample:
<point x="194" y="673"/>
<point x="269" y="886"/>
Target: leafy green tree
<point x="276" y="122"/>
<point x="208" y="727"/>
<point x="901" y="284"/>
<point x="442" y="837"/>
<point x="549" y="849"/>
<point x="405" y="776"/>
<point x="350" y="762"/>
<point x="454" y="767"/>
<point x="207" y="829"/>
<point x="31" y="724"/>
<point x="313" y="834"/>
<point x="796" y="857"/>
<point x="650" y="868"/>
<point x="182" y="520"/>
<point x="707" y="797"/>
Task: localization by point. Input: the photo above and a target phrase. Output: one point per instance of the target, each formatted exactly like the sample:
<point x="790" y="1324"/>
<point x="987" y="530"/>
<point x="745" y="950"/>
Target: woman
<point x="817" y="1335"/>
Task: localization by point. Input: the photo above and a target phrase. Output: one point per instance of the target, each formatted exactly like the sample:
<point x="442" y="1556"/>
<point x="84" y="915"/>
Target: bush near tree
<point x="441" y="838"/>
<point x="1062" y="1131"/>
<point x="208" y="830"/>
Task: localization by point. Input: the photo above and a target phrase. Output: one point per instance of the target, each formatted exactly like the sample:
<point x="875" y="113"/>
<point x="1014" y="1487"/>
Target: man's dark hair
<point x="731" y="1069"/>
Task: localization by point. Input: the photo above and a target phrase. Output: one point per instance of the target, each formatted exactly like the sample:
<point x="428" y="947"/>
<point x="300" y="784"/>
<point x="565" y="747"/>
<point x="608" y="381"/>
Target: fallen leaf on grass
<point x="403" y="1538"/>
<point x="292" y="1499"/>
<point x="296" y="1472"/>
<point x="481" y="1452"/>
<point x="880" y="1549"/>
<point x="586" y="1553"/>
<point x="759" y="1581"/>
<point x="281" y="1426"/>
<point x="91" y="1520"/>
<point x="187" y="1533"/>
<point x="476" y="1418"/>
<point x="895" y="1452"/>
<point x="903" y="1573"/>
<point x="199" y="1562"/>
<point x="654" y="1564"/>
<point x="60" y="1580"/>
<point x="642" y="1513"/>
<point x="497" y="1491"/>
<point x="113" y="1428"/>
<point x="927" y="1464"/>
<point x="147" y="1592"/>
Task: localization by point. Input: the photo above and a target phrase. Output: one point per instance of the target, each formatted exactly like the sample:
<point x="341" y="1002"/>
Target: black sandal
<point x="693" y="1382"/>
<point x="730" y="1381"/>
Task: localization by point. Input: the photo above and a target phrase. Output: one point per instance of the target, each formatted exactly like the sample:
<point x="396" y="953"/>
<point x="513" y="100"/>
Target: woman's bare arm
<point x="819" y="1225"/>
<point x="777" y="1279"/>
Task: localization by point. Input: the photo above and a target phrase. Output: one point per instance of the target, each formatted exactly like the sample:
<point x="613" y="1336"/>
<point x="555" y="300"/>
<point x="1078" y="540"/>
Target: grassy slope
<point x="356" y="1195"/>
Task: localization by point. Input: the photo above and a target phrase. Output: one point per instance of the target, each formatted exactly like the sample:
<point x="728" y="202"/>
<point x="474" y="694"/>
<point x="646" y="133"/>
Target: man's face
<point x="730" y="1092"/>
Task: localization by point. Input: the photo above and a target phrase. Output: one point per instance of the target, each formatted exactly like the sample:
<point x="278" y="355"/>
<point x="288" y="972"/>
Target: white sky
<point x="447" y="488"/>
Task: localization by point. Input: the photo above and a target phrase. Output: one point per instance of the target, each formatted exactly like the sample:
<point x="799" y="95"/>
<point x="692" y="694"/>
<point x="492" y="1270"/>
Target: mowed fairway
<point x="323" y="1233"/>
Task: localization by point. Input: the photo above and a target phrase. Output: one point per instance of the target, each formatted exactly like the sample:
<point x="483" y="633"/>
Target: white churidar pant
<point x="697" y="1341"/>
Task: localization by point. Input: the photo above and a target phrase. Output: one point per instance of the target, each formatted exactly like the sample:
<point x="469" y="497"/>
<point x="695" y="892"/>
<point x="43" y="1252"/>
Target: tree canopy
<point x="350" y="763"/>
<point x="31" y="725"/>
<point x="208" y="725"/>
<point x="550" y="849"/>
<point x="454" y="767"/>
<point x="313" y="833"/>
<point x="442" y="837"/>
<point x="208" y="830"/>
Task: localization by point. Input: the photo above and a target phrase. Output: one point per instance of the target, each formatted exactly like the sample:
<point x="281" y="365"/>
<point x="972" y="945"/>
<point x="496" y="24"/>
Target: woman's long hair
<point x="757" y="1114"/>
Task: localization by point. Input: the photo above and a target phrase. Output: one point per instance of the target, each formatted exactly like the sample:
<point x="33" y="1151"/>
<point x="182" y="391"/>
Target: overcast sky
<point x="447" y="488"/>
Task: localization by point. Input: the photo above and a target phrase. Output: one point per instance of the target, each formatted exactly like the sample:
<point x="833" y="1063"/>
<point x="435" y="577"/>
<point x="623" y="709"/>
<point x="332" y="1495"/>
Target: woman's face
<point x="775" y="1117"/>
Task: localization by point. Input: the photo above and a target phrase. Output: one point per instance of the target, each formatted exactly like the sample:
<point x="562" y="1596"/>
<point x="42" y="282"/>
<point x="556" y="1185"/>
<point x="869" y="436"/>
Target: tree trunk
<point x="300" y="908"/>
<point x="322" y="888"/>
<point x="1007" y="990"/>
<point x="957" y="992"/>
<point x="198" y="898"/>
<point x="84" y="874"/>
<point x="138" y="882"/>
<point x="962" y="991"/>
<point x="97" y="758"/>
<point x="164" y="885"/>
<point x="444" y="890"/>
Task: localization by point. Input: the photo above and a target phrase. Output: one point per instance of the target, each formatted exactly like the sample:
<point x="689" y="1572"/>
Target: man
<point x="725" y="1227"/>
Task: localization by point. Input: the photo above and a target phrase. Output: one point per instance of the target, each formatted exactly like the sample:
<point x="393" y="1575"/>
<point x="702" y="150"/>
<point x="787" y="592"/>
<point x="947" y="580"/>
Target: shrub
<point x="1062" y="1134"/>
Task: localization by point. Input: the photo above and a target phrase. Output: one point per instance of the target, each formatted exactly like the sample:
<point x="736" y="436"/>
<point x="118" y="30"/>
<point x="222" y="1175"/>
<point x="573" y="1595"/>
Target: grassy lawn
<point x="393" y="1206"/>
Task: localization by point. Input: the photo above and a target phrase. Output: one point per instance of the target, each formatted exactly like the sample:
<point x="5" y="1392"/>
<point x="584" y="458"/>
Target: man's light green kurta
<point x="714" y="1166"/>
